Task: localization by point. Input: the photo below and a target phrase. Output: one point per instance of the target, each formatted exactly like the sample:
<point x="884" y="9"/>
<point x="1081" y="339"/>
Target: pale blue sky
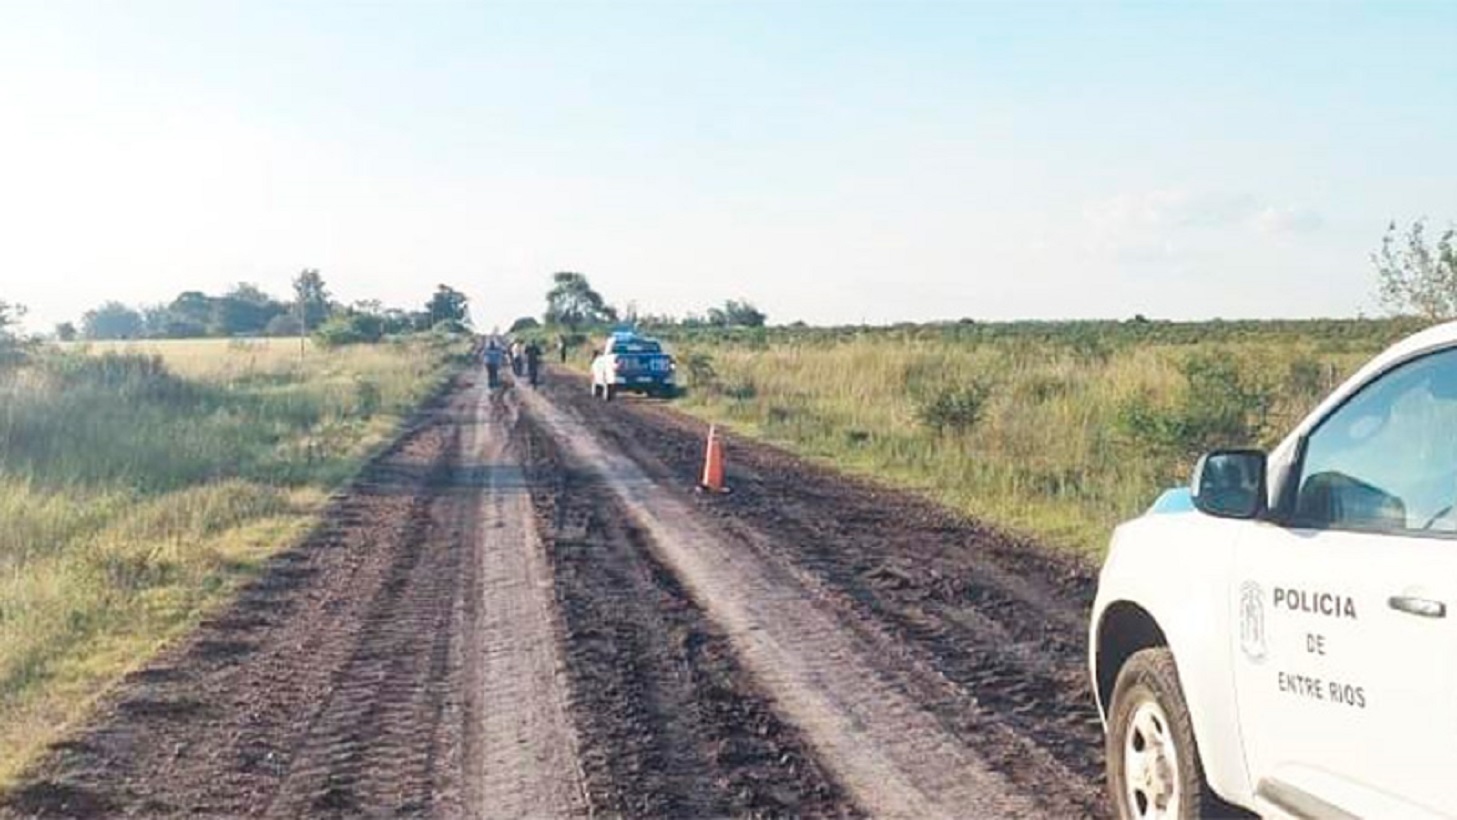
<point x="833" y="162"/>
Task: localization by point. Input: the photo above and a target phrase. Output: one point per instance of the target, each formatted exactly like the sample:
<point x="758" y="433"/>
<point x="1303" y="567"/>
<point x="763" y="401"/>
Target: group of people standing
<point x="524" y="359"/>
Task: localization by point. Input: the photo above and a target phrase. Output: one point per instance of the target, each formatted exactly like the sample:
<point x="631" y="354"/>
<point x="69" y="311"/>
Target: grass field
<point x="1056" y="430"/>
<point x="139" y="483"/>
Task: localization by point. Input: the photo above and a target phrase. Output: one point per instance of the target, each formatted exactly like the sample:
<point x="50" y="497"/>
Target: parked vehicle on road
<point x="1281" y="636"/>
<point x="636" y="364"/>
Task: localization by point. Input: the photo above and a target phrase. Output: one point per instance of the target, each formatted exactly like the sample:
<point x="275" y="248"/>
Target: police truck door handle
<point x="1423" y="607"/>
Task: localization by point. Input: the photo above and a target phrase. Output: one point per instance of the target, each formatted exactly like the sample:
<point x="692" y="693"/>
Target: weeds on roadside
<point x="1057" y="429"/>
<point x="139" y="483"/>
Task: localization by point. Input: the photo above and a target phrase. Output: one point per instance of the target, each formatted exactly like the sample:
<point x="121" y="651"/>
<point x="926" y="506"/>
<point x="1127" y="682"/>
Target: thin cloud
<point x="1171" y="208"/>
<point x="1153" y="224"/>
<point x="1286" y="219"/>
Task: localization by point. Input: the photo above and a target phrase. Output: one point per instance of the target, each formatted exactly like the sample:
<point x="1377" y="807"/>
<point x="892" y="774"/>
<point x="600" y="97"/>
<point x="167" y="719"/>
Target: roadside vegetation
<point x="1055" y="429"/>
<point x="1059" y="430"/>
<point x="141" y="482"/>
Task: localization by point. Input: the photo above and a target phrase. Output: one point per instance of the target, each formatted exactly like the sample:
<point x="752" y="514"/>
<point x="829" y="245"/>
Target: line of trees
<point x="9" y="316"/>
<point x="246" y="310"/>
<point x="1415" y="277"/>
<point x="573" y="304"/>
<point x="733" y="313"/>
<point x="10" y="345"/>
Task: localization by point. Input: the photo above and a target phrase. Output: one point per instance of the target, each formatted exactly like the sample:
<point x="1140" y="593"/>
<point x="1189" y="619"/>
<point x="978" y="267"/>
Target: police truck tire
<point x="1154" y="770"/>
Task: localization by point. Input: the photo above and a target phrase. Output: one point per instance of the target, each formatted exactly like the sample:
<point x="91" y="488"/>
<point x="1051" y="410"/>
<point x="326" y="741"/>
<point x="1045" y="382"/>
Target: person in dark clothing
<point x="533" y="362"/>
<point x="561" y="346"/>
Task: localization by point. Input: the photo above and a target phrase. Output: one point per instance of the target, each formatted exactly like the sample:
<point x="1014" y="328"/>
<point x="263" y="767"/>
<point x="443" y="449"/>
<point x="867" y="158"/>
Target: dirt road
<point x="522" y="609"/>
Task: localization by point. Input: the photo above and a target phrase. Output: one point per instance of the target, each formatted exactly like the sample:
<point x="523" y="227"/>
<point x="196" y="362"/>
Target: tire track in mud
<point x="861" y="712"/>
<point x="452" y="640"/>
<point x="377" y="743"/>
<point x="460" y="644"/>
<point x="671" y="725"/>
<point x="522" y="757"/>
<point x="990" y="630"/>
<point x="503" y="616"/>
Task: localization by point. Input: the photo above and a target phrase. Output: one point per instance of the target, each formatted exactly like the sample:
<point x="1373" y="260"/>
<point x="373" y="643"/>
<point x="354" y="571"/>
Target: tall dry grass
<point x="1058" y="436"/>
<point x="139" y="483"/>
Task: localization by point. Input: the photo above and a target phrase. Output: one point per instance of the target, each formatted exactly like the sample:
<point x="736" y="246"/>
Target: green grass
<point x="139" y="484"/>
<point x="1055" y="430"/>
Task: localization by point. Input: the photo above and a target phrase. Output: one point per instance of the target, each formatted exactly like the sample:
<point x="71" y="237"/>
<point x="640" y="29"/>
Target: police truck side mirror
<point x="1230" y="484"/>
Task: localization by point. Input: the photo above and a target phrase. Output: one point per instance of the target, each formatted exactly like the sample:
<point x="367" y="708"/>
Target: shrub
<point x="1306" y="378"/>
<point x="1039" y="388"/>
<point x="1089" y="346"/>
<point x="1221" y="405"/>
<point x="350" y="329"/>
<point x="368" y="398"/>
<point x="699" y="367"/>
<point x="450" y="327"/>
<point x="124" y="376"/>
<point x="955" y="408"/>
<point x="741" y="389"/>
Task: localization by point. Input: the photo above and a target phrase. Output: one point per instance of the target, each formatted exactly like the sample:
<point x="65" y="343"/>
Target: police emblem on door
<point x="1252" y="621"/>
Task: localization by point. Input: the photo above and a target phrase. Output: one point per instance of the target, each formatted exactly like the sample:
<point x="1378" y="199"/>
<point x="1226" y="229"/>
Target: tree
<point x="447" y="305"/>
<point x="736" y="313"/>
<point x="155" y="320"/>
<point x="1416" y="277"/>
<point x="373" y="307"/>
<point x="284" y="324"/>
<point x="11" y="350"/>
<point x="112" y="320"/>
<point x="243" y="311"/>
<point x="66" y="332"/>
<point x="188" y="317"/>
<point x="523" y="324"/>
<point x="249" y="292"/>
<point x="572" y="302"/>
<point x="192" y="305"/>
<point x="9" y="317"/>
<point x="397" y="321"/>
<point x="311" y="298"/>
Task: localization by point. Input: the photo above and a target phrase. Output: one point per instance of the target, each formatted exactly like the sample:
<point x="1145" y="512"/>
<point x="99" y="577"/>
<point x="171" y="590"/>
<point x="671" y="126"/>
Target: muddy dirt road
<point x="522" y="609"/>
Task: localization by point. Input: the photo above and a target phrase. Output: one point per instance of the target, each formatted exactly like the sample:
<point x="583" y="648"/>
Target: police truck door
<point x="1346" y="664"/>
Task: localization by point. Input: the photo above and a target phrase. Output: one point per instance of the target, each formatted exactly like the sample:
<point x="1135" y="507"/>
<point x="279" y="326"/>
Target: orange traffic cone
<point x="713" y="464"/>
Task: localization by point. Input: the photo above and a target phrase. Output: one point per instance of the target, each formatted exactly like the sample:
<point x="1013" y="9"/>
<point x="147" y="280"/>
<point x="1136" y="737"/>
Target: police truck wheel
<point x="1154" y="769"/>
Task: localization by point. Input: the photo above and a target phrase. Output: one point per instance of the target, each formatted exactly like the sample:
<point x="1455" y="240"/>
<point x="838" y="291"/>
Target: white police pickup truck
<point x="1282" y="634"/>
<point x="632" y="363"/>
